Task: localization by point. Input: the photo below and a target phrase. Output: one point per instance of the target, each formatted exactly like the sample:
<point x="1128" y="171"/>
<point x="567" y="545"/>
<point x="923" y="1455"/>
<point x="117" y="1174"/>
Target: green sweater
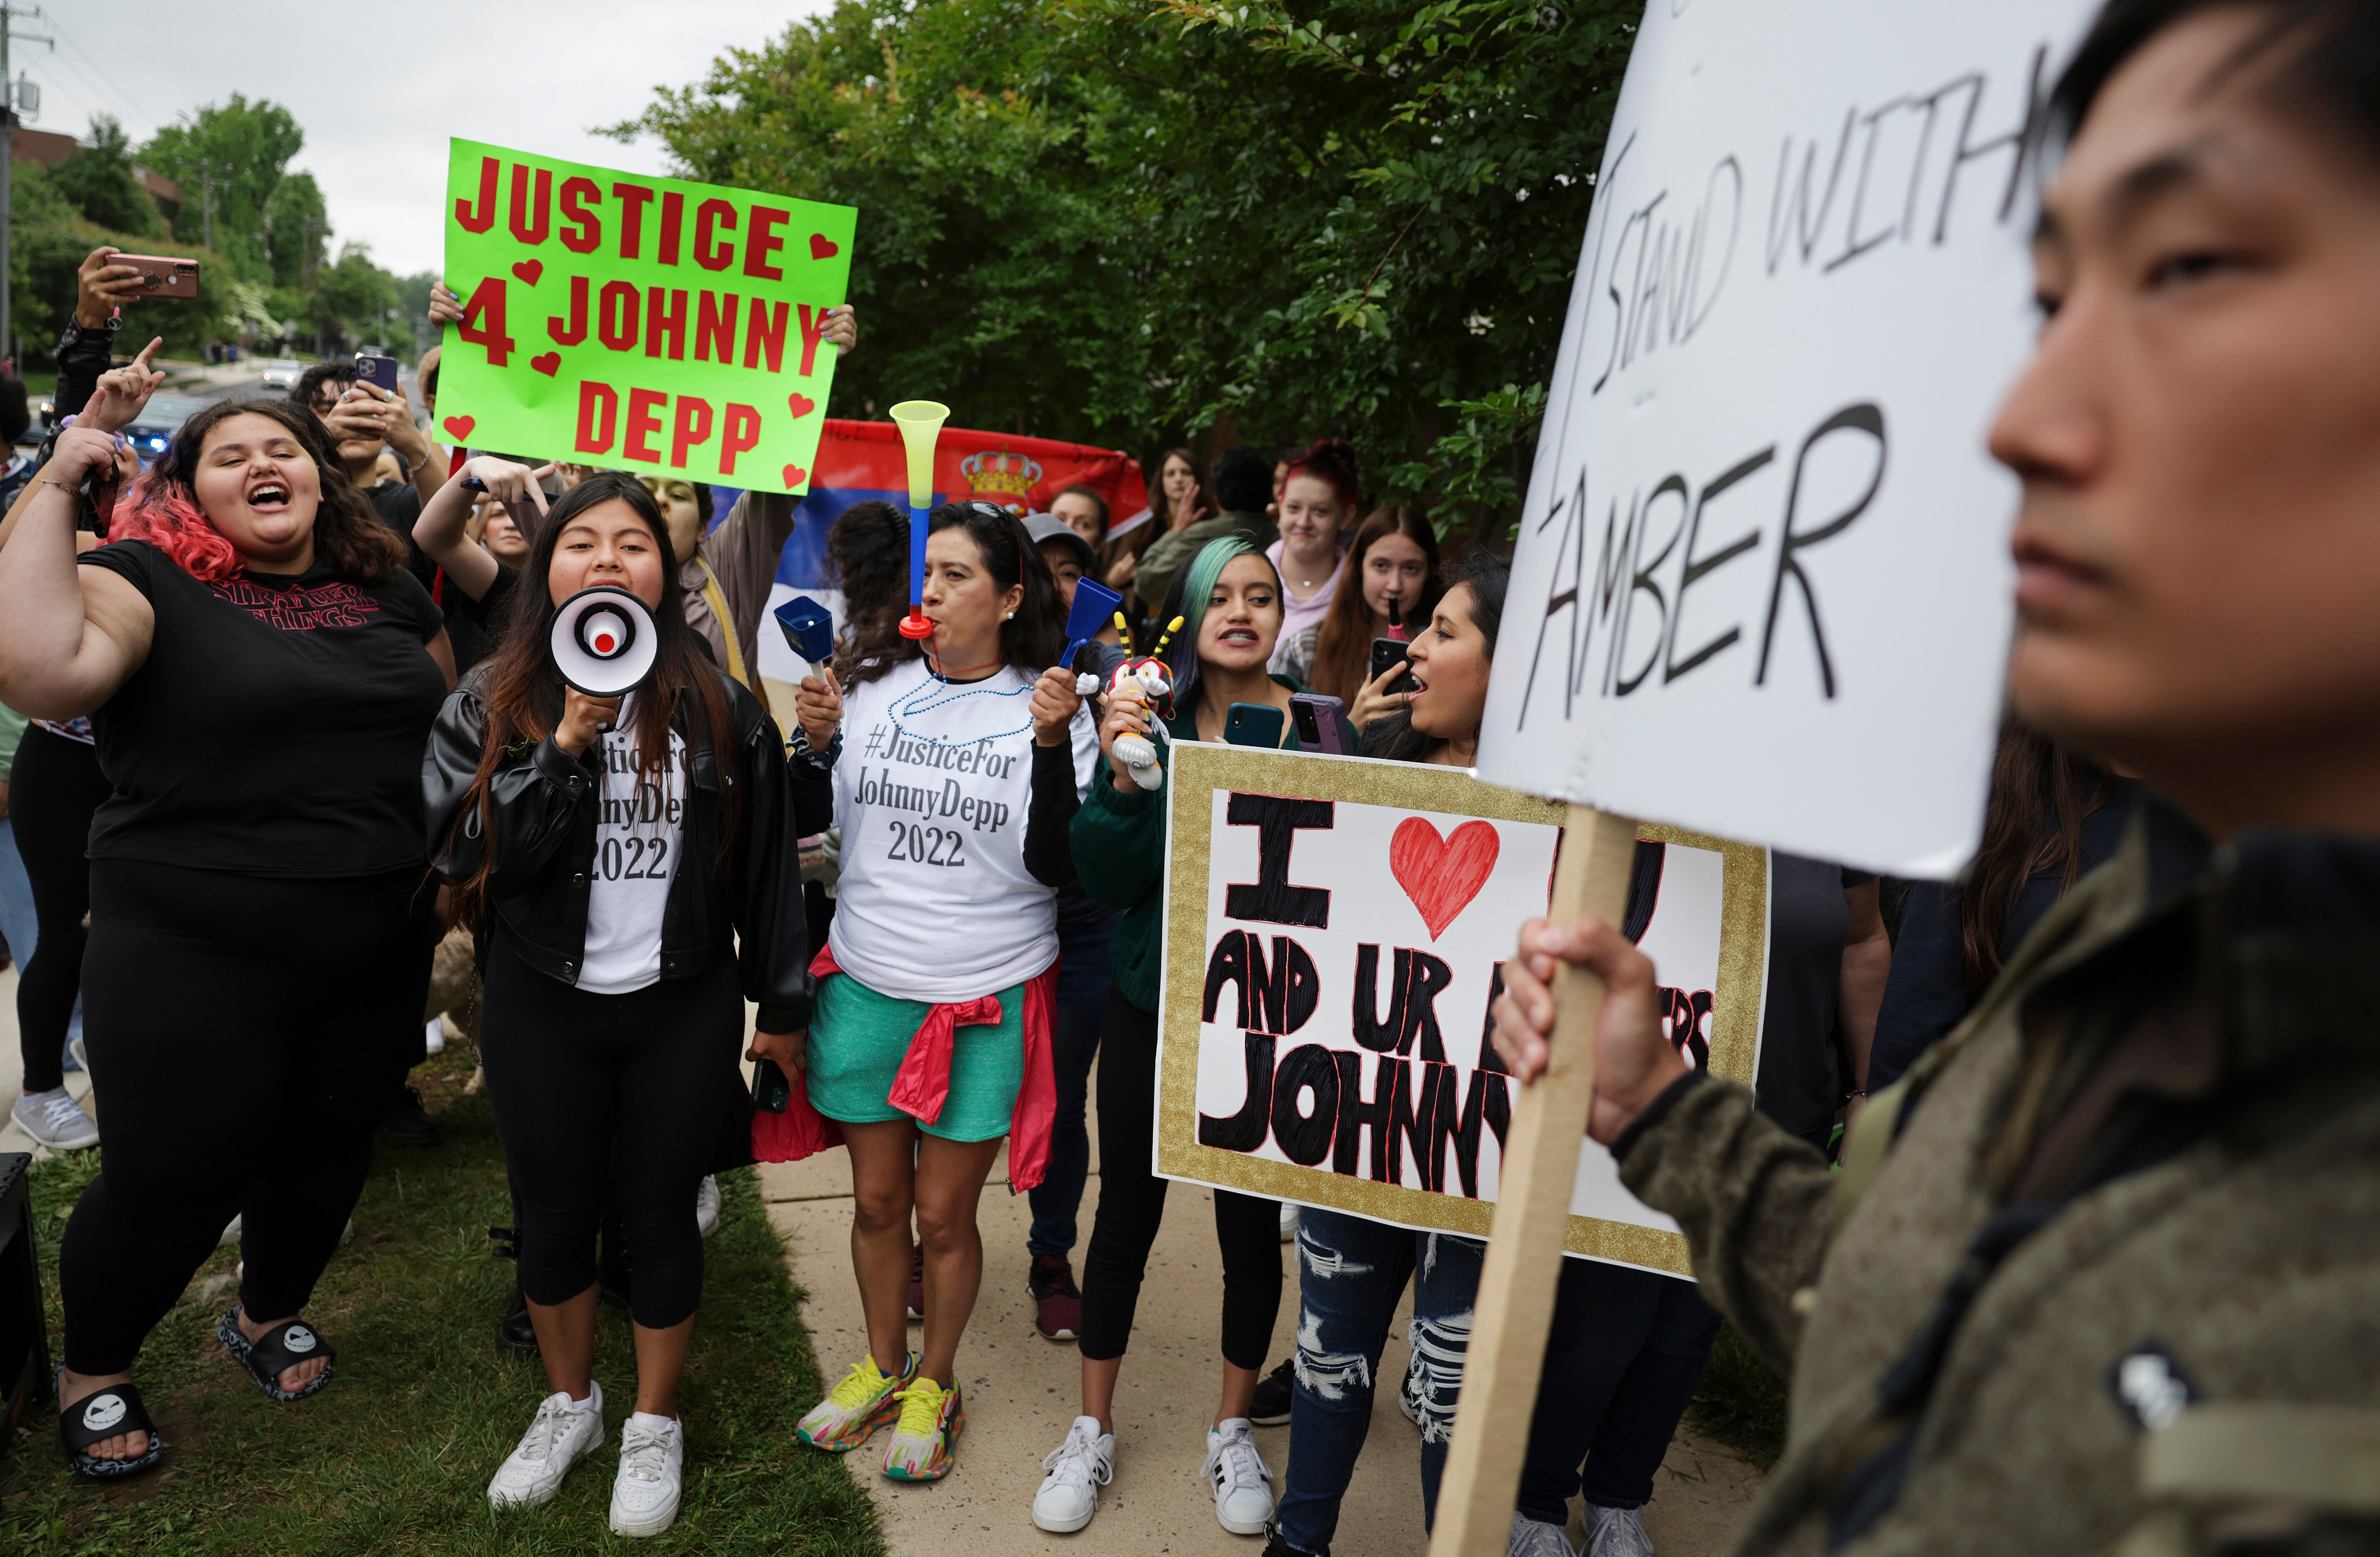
<point x="1119" y="843"/>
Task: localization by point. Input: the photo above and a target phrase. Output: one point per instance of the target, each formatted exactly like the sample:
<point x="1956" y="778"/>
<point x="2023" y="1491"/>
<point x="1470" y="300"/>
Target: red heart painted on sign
<point x="549" y="364"/>
<point x="459" y="428"/>
<point x="1441" y="875"/>
<point x="528" y="271"/>
<point x="823" y="246"/>
<point x="801" y="405"/>
<point x="794" y="475"/>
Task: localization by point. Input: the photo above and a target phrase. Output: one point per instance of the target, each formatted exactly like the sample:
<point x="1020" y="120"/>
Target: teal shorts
<point x="858" y="1038"/>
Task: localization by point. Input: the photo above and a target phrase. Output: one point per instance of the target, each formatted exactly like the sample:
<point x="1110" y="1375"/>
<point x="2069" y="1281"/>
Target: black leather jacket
<point x="544" y="814"/>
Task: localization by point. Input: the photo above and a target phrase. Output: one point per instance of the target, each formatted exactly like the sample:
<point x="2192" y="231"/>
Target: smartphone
<point x="1253" y="725"/>
<point x="1386" y="651"/>
<point x="1321" y="721"/>
<point x="771" y="1091"/>
<point x="159" y="276"/>
<point x="380" y="372"/>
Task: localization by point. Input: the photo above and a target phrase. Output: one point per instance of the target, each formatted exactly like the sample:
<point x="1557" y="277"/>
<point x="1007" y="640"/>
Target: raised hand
<point x="1054" y="703"/>
<point x="122" y="392"/>
<point x="818" y="709"/>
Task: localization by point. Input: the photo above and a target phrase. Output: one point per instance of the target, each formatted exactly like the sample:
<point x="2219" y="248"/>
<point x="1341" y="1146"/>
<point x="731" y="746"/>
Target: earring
<point x="1011" y="616"/>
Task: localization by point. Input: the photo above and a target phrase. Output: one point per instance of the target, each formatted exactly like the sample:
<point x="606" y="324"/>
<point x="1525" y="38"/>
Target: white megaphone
<point x="604" y="641"/>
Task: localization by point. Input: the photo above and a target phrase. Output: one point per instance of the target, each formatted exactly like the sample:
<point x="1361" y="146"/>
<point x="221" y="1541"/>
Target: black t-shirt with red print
<point x="277" y="727"/>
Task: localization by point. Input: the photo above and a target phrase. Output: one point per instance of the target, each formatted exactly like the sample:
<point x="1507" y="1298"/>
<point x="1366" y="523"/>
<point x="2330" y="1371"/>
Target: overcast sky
<point x="379" y="88"/>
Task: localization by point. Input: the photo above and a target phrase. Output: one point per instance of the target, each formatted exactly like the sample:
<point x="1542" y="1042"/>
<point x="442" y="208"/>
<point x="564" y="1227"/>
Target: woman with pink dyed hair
<point x="260" y="673"/>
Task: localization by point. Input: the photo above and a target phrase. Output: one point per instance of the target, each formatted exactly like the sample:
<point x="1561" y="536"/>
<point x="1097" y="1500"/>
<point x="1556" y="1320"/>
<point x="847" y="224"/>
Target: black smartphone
<point x="1253" y="725"/>
<point x="1386" y="651"/>
<point x="1321" y="721"/>
<point x="380" y="372"/>
<point x="771" y="1091"/>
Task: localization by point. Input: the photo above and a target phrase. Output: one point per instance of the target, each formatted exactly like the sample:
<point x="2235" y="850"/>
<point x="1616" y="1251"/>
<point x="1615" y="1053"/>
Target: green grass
<point x="1741" y="1400"/>
<point x="396" y="1456"/>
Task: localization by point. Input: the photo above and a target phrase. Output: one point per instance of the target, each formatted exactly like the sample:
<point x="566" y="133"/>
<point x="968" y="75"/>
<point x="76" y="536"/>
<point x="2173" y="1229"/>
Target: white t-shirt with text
<point x="638" y="837"/>
<point x="933" y="790"/>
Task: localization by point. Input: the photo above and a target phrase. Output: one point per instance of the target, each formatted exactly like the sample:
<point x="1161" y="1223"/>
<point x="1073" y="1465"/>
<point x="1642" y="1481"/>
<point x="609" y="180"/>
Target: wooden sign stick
<point x="1515" y="1306"/>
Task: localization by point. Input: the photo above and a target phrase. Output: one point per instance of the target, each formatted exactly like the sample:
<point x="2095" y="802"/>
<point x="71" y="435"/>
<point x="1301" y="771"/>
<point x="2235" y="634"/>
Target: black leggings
<point x="55" y="788"/>
<point x="1132" y="1207"/>
<point x="248" y="1033"/>
<point x="610" y="1097"/>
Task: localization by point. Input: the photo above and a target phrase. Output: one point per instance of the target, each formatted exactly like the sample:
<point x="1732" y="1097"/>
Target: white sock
<point x="594" y="1401"/>
<point x="651" y="1423"/>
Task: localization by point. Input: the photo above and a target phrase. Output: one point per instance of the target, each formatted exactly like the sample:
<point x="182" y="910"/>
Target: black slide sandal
<point x="105" y="1412"/>
<point x="283" y="1347"/>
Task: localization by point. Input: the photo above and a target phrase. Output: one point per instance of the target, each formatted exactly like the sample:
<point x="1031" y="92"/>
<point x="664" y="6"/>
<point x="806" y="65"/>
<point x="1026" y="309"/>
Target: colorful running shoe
<point x="854" y="1408"/>
<point x="925" y="1445"/>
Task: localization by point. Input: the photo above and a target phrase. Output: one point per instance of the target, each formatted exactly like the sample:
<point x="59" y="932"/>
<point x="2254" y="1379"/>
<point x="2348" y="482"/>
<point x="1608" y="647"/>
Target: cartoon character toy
<point x="1148" y="681"/>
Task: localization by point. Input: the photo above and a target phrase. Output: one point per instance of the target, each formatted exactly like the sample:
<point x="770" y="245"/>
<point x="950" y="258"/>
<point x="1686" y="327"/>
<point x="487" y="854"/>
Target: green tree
<point x="299" y="223"/>
<point x="242" y="149"/>
<point x="102" y="184"/>
<point x="351" y="298"/>
<point x="1238" y="222"/>
<point x="49" y="237"/>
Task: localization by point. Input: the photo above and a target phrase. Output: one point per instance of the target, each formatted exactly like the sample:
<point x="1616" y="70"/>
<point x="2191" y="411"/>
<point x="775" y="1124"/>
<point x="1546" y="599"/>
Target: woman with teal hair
<point x="1232" y="606"/>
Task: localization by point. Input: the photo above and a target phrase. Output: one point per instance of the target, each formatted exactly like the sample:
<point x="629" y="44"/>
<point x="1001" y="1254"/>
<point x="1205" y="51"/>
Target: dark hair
<point x="522" y="695"/>
<point x="1343" y="645"/>
<point x="867" y="559"/>
<point x="1078" y="490"/>
<point x="163" y="506"/>
<point x="1031" y="640"/>
<point x="1332" y="460"/>
<point x="2332" y="76"/>
<point x="310" y="383"/>
<point x="1199" y="497"/>
<point x="2041" y="790"/>
<point x="1490" y="579"/>
<point x="1242" y="481"/>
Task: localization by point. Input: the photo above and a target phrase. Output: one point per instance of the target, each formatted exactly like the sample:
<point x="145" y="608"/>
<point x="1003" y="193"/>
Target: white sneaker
<point x="1237" y="1473"/>
<point x="652" y="1465"/>
<point x="1079" y="1469"/>
<point x="55" y="1119"/>
<point x="1289" y="1222"/>
<point x="706" y="1205"/>
<point x="1617" y="1532"/>
<point x="1535" y="1538"/>
<point x="558" y="1437"/>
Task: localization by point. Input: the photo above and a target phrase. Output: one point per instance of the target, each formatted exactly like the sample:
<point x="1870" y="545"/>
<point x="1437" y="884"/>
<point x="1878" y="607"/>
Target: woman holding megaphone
<point x="612" y="811"/>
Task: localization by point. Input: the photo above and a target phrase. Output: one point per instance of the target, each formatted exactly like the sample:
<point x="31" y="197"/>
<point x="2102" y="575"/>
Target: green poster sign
<point x="643" y="324"/>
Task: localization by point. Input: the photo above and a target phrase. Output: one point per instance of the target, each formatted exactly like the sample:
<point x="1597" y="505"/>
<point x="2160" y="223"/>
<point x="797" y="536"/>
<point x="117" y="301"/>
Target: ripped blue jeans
<point x="1351" y="1273"/>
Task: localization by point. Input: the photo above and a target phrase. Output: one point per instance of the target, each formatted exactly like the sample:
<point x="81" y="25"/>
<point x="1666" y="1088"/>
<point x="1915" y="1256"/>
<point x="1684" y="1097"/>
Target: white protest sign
<point x="1762" y="585"/>
<point x="1335" y="930"/>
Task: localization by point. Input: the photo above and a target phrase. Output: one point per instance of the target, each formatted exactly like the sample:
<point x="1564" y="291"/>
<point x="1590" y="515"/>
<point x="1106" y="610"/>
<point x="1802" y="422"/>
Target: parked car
<point x="280" y="373"/>
<point x="159" y="418"/>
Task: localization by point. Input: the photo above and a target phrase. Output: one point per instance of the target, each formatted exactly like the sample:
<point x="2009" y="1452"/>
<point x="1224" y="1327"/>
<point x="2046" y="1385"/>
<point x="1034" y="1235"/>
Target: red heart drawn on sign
<point x="1441" y="876"/>
<point x="801" y="405"/>
<point x="823" y="246"/>
<point x="549" y="364"/>
<point x="794" y="475"/>
<point x="528" y="271"/>
<point x="459" y="428"/>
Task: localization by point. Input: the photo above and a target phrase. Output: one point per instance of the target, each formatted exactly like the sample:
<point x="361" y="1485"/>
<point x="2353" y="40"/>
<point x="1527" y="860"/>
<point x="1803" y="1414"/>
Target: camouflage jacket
<point x="2173" y="1340"/>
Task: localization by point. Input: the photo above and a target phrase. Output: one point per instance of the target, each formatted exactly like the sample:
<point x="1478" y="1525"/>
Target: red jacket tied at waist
<point x="923" y="1084"/>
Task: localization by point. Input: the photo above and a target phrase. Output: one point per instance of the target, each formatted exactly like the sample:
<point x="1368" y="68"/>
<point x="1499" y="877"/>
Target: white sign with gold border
<point x="1335" y="930"/>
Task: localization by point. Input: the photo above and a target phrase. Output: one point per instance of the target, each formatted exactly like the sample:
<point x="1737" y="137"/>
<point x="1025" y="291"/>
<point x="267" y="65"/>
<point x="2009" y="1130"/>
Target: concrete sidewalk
<point x="1022" y="1392"/>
